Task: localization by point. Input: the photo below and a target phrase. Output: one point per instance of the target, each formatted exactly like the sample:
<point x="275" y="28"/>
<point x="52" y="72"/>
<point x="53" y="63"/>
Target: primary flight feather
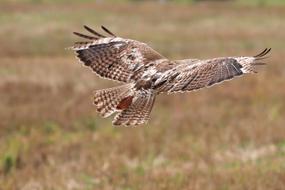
<point x="146" y="74"/>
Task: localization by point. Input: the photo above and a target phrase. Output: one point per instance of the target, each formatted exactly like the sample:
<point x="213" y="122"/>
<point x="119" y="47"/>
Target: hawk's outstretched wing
<point x="113" y="57"/>
<point x="196" y="74"/>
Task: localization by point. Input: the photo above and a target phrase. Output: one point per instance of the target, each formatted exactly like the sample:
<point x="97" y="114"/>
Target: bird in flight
<point x="146" y="73"/>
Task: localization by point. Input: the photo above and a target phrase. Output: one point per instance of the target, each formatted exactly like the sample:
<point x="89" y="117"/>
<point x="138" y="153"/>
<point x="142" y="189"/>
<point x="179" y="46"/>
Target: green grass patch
<point x="261" y="2"/>
<point x="10" y="152"/>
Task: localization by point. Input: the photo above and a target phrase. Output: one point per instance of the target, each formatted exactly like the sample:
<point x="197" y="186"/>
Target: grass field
<point x="230" y="136"/>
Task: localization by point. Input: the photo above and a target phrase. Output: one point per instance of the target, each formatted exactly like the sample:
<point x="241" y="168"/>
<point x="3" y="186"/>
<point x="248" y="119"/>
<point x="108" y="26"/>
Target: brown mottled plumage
<point x="147" y="74"/>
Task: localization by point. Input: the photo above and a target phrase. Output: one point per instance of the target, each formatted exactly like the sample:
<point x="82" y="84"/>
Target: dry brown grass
<point x="230" y="136"/>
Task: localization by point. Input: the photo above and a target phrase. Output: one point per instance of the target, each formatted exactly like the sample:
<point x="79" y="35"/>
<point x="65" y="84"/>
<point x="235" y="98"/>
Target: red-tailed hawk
<point x="146" y="74"/>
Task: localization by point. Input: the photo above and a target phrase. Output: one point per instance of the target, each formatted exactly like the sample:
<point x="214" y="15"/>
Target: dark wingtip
<point x="96" y="34"/>
<point x="263" y="53"/>
<point x="261" y="56"/>
<point x="108" y="31"/>
<point x="259" y="63"/>
<point x="85" y="36"/>
<point x="93" y="32"/>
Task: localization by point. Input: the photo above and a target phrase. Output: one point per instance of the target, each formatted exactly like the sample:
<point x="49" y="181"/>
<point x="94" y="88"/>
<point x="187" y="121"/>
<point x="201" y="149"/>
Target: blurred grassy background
<point x="230" y="136"/>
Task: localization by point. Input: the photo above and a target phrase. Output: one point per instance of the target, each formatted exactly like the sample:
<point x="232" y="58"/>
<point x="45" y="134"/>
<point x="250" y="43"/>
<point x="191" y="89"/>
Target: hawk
<point x="146" y="73"/>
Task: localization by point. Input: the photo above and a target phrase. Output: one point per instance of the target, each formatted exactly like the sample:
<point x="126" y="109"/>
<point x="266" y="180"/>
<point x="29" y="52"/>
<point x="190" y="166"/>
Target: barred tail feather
<point x="139" y="111"/>
<point x="107" y="100"/>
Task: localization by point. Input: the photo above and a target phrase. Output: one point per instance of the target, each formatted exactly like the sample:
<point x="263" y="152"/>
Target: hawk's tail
<point x="107" y="100"/>
<point x="139" y="110"/>
<point x="134" y="105"/>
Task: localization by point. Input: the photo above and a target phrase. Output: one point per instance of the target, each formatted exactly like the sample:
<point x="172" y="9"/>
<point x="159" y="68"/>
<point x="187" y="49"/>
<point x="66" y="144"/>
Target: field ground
<point x="230" y="136"/>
